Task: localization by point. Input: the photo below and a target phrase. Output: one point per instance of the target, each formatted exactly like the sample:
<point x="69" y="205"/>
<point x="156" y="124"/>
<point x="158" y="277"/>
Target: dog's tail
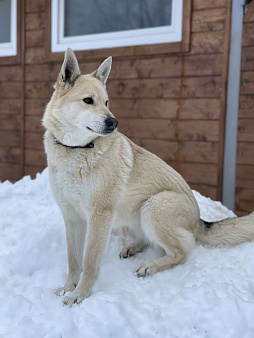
<point x="231" y="231"/>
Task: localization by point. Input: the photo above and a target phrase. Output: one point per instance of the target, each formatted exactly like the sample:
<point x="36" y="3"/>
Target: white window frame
<point x="135" y="37"/>
<point x="10" y="48"/>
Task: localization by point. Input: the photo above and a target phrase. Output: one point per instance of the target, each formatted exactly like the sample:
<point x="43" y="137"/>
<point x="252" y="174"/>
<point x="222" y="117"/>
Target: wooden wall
<point x="244" y="198"/>
<point x="10" y="121"/>
<point x="11" y="108"/>
<point x="173" y="104"/>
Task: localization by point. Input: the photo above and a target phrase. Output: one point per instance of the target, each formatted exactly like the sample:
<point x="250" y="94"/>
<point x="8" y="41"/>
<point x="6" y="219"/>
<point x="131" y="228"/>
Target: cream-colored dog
<point x="101" y="180"/>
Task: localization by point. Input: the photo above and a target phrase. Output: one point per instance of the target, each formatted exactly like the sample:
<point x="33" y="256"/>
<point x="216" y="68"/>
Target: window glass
<point x="5" y="21"/>
<point x="83" y="17"/>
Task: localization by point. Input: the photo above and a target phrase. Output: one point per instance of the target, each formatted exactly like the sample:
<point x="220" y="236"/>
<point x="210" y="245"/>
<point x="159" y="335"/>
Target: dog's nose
<point x="111" y="123"/>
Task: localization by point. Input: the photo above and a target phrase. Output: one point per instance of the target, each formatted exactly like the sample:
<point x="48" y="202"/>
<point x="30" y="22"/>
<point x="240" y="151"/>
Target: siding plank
<point x="246" y="105"/>
<point x="10" y="107"/>
<point x="35" y="55"/>
<point x="163" y="149"/>
<point x="44" y="72"/>
<point x="198" y="130"/>
<point x="164" y="88"/>
<point x="10" y="73"/>
<point x="240" y="213"/>
<point x="148" y="88"/>
<point x="199" y="109"/>
<point x="35" y="157"/>
<point x="33" y="124"/>
<point x="247" y="83"/>
<point x="203" y="4"/>
<point x="36" y="107"/>
<point x="35" y="20"/>
<point x="34" y="141"/>
<point x="208" y="20"/>
<point x="201" y="65"/>
<point x="207" y="42"/>
<point x="39" y="90"/>
<point x="244" y="200"/>
<point x="148" y="128"/>
<point x="147" y="68"/>
<point x="249" y="13"/>
<point x="201" y="87"/>
<point x="245" y="153"/>
<point x="141" y="108"/>
<point x="10" y="122"/>
<point x="248" y="34"/>
<point x="170" y="66"/>
<point x="198" y="65"/>
<point x="10" y="90"/>
<point x="10" y="155"/>
<point x="35" y="6"/>
<point x="35" y="38"/>
<point x="246" y="130"/>
<point x="192" y="151"/>
<point x="244" y="176"/>
<point x="197" y="173"/>
<point x="8" y="139"/>
<point x="247" y="58"/>
<point x="9" y="172"/>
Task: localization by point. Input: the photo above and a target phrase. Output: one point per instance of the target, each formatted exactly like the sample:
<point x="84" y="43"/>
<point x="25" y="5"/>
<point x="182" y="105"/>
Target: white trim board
<point x="10" y="48"/>
<point x="136" y="37"/>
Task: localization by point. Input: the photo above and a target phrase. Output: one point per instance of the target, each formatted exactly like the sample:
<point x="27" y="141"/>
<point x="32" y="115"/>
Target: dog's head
<point x="78" y="111"/>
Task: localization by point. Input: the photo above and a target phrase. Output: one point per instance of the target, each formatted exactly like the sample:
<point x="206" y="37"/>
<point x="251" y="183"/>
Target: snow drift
<point x="211" y="295"/>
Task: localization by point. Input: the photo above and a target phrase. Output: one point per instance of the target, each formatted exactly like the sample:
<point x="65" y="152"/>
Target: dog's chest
<point x="70" y="186"/>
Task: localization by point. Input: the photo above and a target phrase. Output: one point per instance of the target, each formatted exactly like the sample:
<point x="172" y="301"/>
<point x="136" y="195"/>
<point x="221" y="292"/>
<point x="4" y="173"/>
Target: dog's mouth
<point x="110" y="125"/>
<point x="90" y="129"/>
<point x="104" y="132"/>
<point x="108" y="132"/>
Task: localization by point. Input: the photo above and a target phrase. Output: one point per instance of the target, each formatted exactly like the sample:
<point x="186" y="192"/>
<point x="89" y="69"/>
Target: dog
<point x="102" y="181"/>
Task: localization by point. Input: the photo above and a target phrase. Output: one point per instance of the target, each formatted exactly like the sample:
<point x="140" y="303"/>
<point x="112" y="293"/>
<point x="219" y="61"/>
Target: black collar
<point x="89" y="145"/>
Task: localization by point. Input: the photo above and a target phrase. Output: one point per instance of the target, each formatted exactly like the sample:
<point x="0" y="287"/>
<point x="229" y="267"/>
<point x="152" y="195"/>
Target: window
<point x="8" y="27"/>
<point x="96" y="24"/>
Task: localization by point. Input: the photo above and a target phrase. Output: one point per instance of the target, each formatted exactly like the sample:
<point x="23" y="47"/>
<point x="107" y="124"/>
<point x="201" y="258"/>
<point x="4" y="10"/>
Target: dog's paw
<point x="70" y="284"/>
<point x="127" y="252"/>
<point x="77" y="296"/>
<point x="66" y="288"/>
<point x="146" y="269"/>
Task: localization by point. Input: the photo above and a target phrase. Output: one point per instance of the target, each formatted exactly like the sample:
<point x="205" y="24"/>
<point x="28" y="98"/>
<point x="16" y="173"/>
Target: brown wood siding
<point x="170" y="102"/>
<point x="244" y="195"/>
<point x="11" y="78"/>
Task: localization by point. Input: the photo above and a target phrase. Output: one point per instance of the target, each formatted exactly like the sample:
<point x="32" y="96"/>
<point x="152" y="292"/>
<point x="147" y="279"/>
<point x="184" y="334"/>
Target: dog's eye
<point x="88" y="100"/>
<point x="106" y="103"/>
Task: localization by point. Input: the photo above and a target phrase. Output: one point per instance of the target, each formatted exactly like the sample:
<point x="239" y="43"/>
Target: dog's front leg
<point x="99" y="229"/>
<point x="75" y="228"/>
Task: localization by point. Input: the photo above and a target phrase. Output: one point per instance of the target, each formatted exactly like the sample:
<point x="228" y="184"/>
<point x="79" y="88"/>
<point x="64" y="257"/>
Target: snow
<point x="211" y="295"/>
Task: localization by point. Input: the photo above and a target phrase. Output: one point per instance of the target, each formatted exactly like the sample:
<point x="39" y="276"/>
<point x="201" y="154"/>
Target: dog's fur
<point x="115" y="184"/>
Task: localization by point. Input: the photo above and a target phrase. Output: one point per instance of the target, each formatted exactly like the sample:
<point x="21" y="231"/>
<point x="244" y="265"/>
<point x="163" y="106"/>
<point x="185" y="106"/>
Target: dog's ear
<point x="103" y="71"/>
<point x="69" y="71"/>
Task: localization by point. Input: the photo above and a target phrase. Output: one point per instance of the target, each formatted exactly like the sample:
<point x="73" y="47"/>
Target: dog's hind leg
<point x="165" y="220"/>
<point x="75" y="228"/>
<point x="133" y="248"/>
